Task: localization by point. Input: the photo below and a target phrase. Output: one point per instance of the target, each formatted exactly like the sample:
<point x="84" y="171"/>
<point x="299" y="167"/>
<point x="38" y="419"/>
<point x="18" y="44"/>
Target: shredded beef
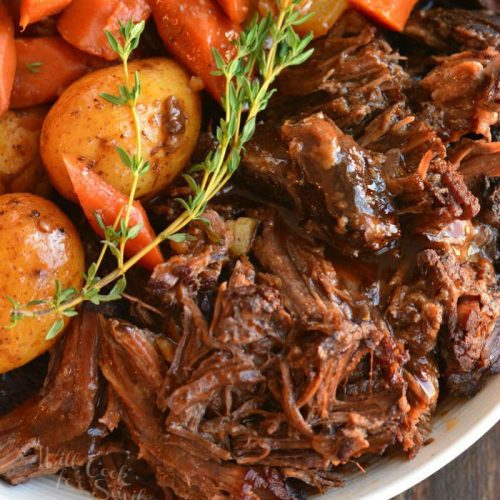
<point x="476" y="159"/>
<point x="352" y="196"/>
<point x="462" y="95"/>
<point x="470" y="297"/>
<point x="352" y="76"/>
<point x="57" y="427"/>
<point x="424" y="183"/>
<point x="452" y="30"/>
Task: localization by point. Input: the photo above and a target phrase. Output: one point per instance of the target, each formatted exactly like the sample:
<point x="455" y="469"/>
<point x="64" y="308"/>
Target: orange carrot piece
<point x="7" y="58"/>
<point x="237" y="10"/>
<point x="391" y="14"/>
<point x="45" y="67"/>
<point x="33" y="11"/>
<point x="98" y="197"/>
<point x="190" y="29"/>
<point x="83" y="22"/>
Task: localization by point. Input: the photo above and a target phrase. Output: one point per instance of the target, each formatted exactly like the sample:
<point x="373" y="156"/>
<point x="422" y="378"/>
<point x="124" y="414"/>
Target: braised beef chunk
<point x="352" y="76"/>
<point x="416" y="170"/>
<point x="334" y="186"/>
<point x="58" y="426"/>
<point x="338" y="187"/>
<point x="470" y="297"/>
<point x="196" y="267"/>
<point x="453" y="30"/>
<point x="462" y="95"/>
<point x="401" y="166"/>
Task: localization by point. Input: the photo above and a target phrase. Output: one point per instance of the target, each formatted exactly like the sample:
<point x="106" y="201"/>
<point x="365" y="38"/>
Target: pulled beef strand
<point x="463" y="95"/>
<point x="352" y="76"/>
<point x="55" y="428"/>
<point x="174" y="456"/>
<point x="452" y="30"/>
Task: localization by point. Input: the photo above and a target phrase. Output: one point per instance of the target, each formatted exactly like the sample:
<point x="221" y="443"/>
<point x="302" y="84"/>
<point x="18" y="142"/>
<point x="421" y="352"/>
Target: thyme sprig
<point x="264" y="49"/>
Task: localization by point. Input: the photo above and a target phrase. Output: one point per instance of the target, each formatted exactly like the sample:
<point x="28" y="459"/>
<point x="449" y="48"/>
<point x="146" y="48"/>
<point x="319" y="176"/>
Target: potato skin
<point x="21" y="168"/>
<point x="83" y="124"/>
<point x="39" y="245"/>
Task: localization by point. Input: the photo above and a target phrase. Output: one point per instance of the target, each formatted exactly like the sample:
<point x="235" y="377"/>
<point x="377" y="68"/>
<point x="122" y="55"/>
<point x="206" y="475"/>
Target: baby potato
<point x="21" y="168"/>
<point x="86" y="126"/>
<point x="39" y="244"/>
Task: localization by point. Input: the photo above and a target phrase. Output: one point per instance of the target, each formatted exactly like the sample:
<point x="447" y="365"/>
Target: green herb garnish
<point x="35" y="67"/>
<point x="266" y="48"/>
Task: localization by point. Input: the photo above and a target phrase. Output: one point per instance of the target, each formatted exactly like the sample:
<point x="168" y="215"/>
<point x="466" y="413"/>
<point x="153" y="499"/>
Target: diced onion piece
<point x="243" y="232"/>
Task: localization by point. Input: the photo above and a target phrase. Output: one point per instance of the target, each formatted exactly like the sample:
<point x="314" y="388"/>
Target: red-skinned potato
<point x="21" y="168"/>
<point x="83" y="125"/>
<point x="39" y="245"/>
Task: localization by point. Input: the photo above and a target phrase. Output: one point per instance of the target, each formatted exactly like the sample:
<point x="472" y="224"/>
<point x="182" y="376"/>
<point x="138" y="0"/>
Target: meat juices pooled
<point x="368" y="287"/>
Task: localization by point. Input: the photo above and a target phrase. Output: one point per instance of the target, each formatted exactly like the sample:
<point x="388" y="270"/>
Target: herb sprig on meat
<point x="266" y="48"/>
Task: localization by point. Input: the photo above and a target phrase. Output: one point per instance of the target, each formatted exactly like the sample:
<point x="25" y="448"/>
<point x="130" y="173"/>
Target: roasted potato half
<point x="21" y="168"/>
<point x="39" y="245"/>
<point x="84" y="125"/>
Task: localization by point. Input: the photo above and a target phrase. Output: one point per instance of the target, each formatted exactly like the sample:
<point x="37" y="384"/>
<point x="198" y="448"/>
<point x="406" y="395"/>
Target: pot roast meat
<point x="333" y="186"/>
<point x="200" y="264"/>
<point x="290" y="375"/>
<point x="462" y="95"/>
<point x="450" y="304"/>
<point x="422" y="181"/>
<point x="180" y="462"/>
<point x="470" y="296"/>
<point x="355" y="333"/>
<point x="352" y="76"/>
<point x="452" y="30"/>
<point x="400" y="168"/>
<point x="337" y="187"/>
<point x="476" y="160"/>
<point x="57" y="427"/>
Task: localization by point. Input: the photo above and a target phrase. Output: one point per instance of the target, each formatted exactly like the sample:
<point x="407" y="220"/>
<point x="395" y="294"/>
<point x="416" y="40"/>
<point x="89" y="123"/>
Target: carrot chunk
<point x="190" y="29"/>
<point x="391" y="14"/>
<point x="96" y="196"/>
<point x="33" y="11"/>
<point x="83" y="23"/>
<point x="45" y="67"/>
<point x="7" y="58"/>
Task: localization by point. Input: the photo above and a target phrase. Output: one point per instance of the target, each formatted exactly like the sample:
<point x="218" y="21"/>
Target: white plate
<point x="456" y="426"/>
